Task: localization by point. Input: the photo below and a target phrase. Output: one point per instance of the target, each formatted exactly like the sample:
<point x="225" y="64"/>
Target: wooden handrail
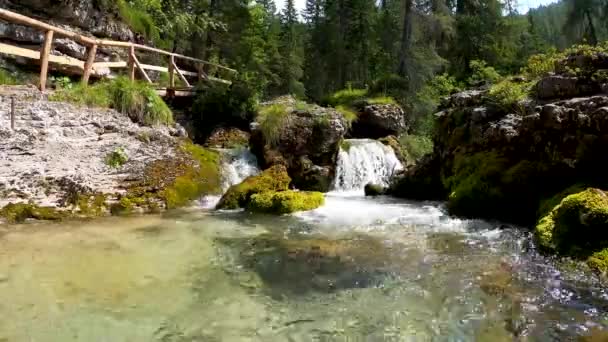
<point x="93" y="44"/>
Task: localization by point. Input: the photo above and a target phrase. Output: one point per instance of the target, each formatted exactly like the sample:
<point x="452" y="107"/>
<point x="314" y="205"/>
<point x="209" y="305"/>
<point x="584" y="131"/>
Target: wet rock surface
<point x="378" y="121"/>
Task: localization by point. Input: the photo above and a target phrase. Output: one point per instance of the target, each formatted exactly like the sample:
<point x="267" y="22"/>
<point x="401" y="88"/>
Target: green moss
<point x="116" y="158"/>
<point x="122" y="207"/>
<point x="195" y="180"/>
<point x="345" y="145"/>
<point x="6" y="78"/>
<point x="374" y="190"/>
<point x="19" y="212"/>
<point x="285" y="202"/>
<point x="576" y="226"/>
<point x="349" y="115"/>
<point x="598" y="261"/>
<point x="272" y="179"/>
<point x="91" y="205"/>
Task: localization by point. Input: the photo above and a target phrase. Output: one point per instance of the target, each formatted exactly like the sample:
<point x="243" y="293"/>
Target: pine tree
<point x="292" y="51"/>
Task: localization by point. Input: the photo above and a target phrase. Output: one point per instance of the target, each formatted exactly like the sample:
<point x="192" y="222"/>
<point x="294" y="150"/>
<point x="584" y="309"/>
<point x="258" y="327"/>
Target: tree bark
<point x="592" y="34"/>
<point x="406" y="39"/>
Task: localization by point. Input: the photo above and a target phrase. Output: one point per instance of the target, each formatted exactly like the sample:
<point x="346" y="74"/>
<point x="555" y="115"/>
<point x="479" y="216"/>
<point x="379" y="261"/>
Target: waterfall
<point x="365" y="161"/>
<point x="237" y="164"/>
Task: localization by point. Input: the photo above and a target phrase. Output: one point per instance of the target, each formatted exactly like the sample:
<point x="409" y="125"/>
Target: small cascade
<point x="366" y="161"/>
<point x="237" y="164"/>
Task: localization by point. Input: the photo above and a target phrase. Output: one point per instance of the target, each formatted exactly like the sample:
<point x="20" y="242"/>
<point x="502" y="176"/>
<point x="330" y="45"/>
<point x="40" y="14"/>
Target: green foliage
<point x="271" y="119"/>
<point x="61" y="82"/>
<point x="481" y="73"/>
<point x="138" y="19"/>
<point x="92" y="96"/>
<point x="285" y="202"/>
<point x="345" y="145"/>
<point x="349" y="115"/>
<point x="381" y="100"/>
<point x="540" y="65"/>
<point x="19" y="212"/>
<point x="417" y="146"/>
<point x="139" y="101"/>
<point x="136" y="99"/>
<point x="6" y="78"/>
<point x="427" y="100"/>
<point x="509" y="94"/>
<point x="116" y="158"/>
<point x="272" y="179"/>
<point x="347" y="97"/>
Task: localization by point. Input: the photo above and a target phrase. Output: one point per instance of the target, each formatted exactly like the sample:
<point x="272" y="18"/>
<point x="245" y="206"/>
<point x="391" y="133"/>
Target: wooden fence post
<point x="132" y="63"/>
<point x="44" y="58"/>
<point x="88" y="65"/>
<point x="171" y="72"/>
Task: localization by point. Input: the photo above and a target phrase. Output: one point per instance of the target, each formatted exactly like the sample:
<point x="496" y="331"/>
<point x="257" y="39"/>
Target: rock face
<point x="58" y="155"/>
<point x="307" y="144"/>
<point x="496" y="163"/>
<point x="378" y="121"/>
<point x="85" y="17"/>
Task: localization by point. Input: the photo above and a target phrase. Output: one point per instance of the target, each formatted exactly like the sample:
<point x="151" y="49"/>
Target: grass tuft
<point x="271" y="119"/>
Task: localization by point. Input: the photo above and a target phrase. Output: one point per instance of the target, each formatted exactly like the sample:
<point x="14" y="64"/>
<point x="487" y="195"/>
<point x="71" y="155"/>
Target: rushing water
<point x="354" y="270"/>
<point x="365" y="161"/>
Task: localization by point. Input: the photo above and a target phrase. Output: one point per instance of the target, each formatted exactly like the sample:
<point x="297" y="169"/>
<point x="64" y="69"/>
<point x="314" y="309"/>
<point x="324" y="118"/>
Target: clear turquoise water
<point x="354" y="270"/>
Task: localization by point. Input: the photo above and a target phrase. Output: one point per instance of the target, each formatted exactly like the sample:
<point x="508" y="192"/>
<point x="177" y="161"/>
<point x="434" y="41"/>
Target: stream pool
<point x="356" y="269"/>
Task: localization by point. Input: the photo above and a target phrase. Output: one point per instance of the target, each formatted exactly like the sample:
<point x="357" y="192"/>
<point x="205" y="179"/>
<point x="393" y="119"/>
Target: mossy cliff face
<point x="268" y="193"/>
<point x="577" y="226"/>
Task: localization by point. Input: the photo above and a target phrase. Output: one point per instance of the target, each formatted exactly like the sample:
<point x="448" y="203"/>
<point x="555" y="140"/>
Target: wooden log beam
<point x="180" y="74"/>
<point x="88" y="65"/>
<point x="44" y="58"/>
<point x="132" y="63"/>
<point x="171" y="72"/>
<point x="141" y="70"/>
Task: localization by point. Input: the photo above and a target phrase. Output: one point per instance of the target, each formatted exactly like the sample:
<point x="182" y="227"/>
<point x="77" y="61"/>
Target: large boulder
<point x="379" y="120"/>
<point x="306" y="142"/>
<point x="239" y="195"/>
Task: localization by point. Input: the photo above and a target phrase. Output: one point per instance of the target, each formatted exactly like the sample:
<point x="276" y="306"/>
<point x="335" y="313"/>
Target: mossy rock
<point x="374" y="190"/>
<point x="177" y="181"/>
<point x="285" y="202"/>
<point x="19" y="212"/>
<point x="578" y="227"/>
<point x="239" y="195"/>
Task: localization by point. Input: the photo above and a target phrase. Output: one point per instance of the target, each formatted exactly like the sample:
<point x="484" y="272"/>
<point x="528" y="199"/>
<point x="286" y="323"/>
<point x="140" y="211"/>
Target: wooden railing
<point x="89" y="66"/>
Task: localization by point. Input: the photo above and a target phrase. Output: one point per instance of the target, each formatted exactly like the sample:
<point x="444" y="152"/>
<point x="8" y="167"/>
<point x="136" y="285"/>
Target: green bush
<point x="416" y="146"/>
<point x="481" y="73"/>
<point x="427" y="100"/>
<point x="116" y="158"/>
<point x="508" y="94"/>
<point x="347" y="97"/>
<point x="271" y="119"/>
<point x="540" y="65"/>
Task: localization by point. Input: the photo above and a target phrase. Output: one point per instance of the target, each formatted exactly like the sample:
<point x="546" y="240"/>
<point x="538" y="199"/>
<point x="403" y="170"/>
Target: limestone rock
<point x="377" y="121"/>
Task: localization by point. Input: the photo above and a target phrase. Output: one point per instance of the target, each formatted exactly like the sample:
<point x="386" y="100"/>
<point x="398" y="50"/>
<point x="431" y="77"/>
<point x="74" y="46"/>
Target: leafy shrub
<point x="427" y="100"/>
<point x="62" y="82"/>
<point x="271" y="119"/>
<point x="508" y="94"/>
<point x="416" y="145"/>
<point x="540" y="65"/>
<point x="481" y="73"/>
<point x="116" y="158"/>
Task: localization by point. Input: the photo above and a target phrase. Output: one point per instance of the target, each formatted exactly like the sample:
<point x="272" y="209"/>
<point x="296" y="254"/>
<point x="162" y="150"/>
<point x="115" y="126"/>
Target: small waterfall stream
<point x="237" y="164"/>
<point x="366" y="161"/>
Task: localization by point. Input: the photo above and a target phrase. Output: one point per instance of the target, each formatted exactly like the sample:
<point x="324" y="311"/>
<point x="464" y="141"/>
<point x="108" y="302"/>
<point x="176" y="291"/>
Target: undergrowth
<point x="138" y="100"/>
<point x="271" y="119"/>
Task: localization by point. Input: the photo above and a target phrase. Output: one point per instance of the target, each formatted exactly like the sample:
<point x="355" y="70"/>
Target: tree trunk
<point x="591" y="28"/>
<point x="406" y="39"/>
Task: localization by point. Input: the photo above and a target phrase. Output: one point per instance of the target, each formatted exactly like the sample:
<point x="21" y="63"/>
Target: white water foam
<point x="366" y="161"/>
<point x="237" y="164"/>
